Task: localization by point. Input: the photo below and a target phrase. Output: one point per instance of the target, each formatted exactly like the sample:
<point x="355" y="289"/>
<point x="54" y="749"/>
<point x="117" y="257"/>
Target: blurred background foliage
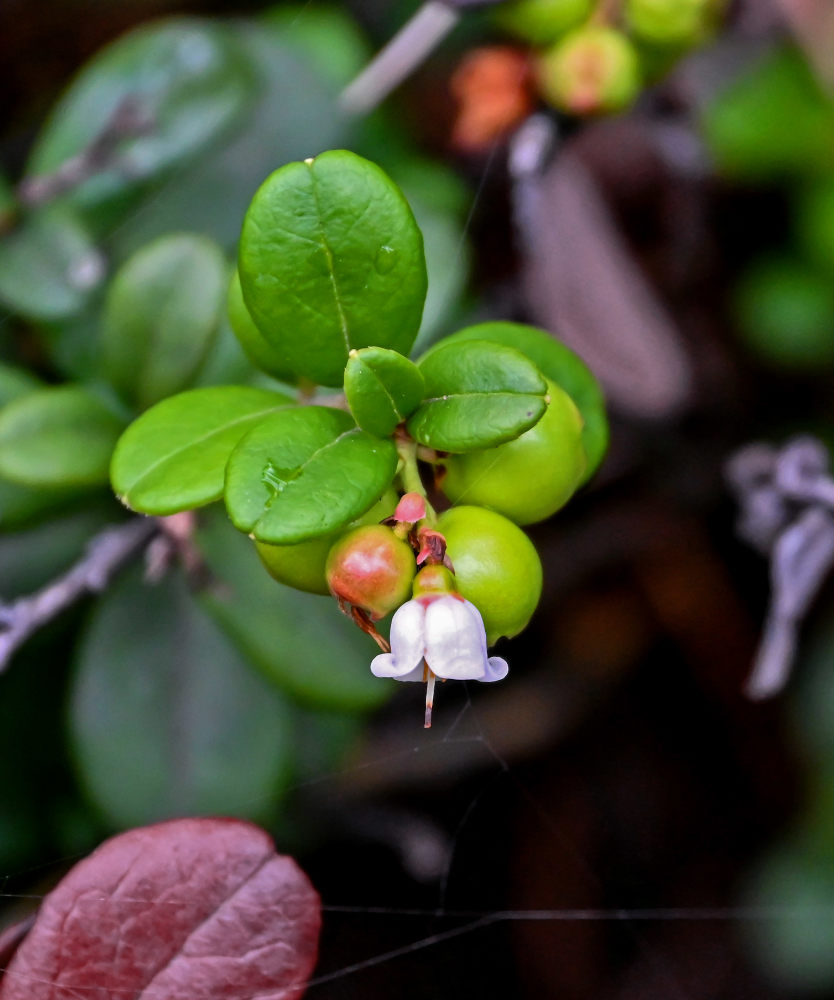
<point x="685" y="248"/>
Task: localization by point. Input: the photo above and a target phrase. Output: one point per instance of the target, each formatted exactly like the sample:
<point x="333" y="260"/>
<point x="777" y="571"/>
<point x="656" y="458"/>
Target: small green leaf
<point x="166" y="717"/>
<point x="61" y="436"/>
<point x="161" y="315"/>
<point x="478" y="394"/>
<point x="260" y="352"/>
<point x="559" y="363"/>
<point x="174" y="456"/>
<point x="187" y="77"/>
<point x="382" y="388"/>
<point x="331" y="259"/>
<point x="304" y="472"/>
<point x="49" y="267"/>
<point x="299" y="641"/>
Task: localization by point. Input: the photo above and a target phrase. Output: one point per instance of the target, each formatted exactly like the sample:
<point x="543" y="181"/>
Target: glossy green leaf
<point x="49" y="267"/>
<point x="331" y="259"/>
<point x="382" y="388"/>
<point x="167" y="718"/>
<point x="304" y="472"/>
<point x="174" y="456"/>
<point x="566" y="369"/>
<point x="62" y="436"/>
<point x="187" y="77"/>
<point x="478" y="394"/>
<point x="161" y="315"/>
<point x="299" y="641"/>
<point x="261" y="353"/>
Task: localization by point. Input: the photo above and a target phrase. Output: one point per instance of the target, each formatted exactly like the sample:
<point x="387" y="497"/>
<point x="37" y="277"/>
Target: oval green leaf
<point x="186" y="76"/>
<point x="478" y="394"/>
<point x="167" y="718"/>
<point x="174" y="456"/>
<point x="62" y="436"/>
<point x="560" y="364"/>
<point x="256" y="347"/>
<point x="299" y="641"/>
<point x="161" y="315"/>
<point x="304" y="472"/>
<point x="331" y="259"/>
<point x="382" y="388"/>
<point x="49" y="266"/>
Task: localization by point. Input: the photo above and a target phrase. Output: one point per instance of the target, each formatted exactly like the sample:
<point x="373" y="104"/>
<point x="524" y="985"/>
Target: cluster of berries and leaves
<point x="594" y="56"/>
<point x="332" y="486"/>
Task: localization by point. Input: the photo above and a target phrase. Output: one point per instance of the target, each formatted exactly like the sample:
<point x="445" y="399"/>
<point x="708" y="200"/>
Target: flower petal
<point x="455" y="642"/>
<point x="383" y="666"/>
<point x="408" y="635"/>
<point x="497" y="669"/>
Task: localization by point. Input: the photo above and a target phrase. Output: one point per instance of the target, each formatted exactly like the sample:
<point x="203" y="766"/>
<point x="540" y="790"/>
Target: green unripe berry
<point x="496" y="565"/>
<point x="680" y="23"/>
<point x="541" y="22"/>
<point x="371" y="568"/>
<point x="434" y="579"/>
<point x="302" y="565"/>
<point x="592" y="70"/>
<point x="530" y="478"/>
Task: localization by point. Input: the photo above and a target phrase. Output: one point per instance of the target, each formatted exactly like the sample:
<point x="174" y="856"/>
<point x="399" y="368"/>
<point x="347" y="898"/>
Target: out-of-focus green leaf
<point x="268" y="357"/>
<point x="331" y="259"/>
<point x="32" y="556"/>
<point x="187" y="76"/>
<point x="326" y="36"/>
<point x="61" y="436"/>
<point x="478" y="394"/>
<point x="794" y="947"/>
<point x="786" y="313"/>
<point x="300" y="641"/>
<point x="304" y="472"/>
<point x="560" y="364"/>
<point x="815" y="222"/>
<point x="174" y="456"/>
<point x="772" y="121"/>
<point x="382" y="388"/>
<point x="161" y="315"/>
<point x="49" y="267"/>
<point x="166" y="717"/>
<point x="293" y="115"/>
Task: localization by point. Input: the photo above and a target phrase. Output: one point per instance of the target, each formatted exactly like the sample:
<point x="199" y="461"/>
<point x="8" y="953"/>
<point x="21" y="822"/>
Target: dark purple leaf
<point x="192" y="909"/>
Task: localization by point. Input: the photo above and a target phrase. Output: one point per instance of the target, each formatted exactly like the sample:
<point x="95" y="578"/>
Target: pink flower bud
<point x="411" y="508"/>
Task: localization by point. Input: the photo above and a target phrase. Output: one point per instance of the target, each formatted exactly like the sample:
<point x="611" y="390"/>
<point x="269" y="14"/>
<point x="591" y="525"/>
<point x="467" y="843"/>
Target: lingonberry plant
<point x="338" y="489"/>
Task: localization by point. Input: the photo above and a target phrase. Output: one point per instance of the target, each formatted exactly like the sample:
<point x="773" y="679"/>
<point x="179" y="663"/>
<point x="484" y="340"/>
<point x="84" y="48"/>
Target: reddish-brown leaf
<point x="192" y="909"/>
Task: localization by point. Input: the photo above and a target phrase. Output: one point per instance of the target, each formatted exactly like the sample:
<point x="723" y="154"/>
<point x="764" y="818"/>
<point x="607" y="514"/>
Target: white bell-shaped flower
<point x="438" y="635"/>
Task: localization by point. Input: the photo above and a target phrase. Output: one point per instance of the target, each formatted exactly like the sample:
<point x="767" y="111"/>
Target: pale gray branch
<point x="105" y="554"/>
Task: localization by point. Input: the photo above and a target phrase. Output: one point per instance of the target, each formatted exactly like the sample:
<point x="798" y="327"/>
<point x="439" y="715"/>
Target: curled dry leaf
<point x="582" y="282"/>
<point x="188" y="909"/>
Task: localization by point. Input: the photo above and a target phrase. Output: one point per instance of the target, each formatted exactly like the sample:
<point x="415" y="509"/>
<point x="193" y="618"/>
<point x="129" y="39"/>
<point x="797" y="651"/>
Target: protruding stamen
<point x="429" y="699"/>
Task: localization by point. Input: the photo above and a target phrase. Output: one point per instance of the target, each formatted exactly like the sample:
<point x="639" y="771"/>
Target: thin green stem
<point x="409" y="473"/>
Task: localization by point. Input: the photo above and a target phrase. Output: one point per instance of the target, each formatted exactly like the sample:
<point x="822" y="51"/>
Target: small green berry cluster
<point x="594" y="57"/>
